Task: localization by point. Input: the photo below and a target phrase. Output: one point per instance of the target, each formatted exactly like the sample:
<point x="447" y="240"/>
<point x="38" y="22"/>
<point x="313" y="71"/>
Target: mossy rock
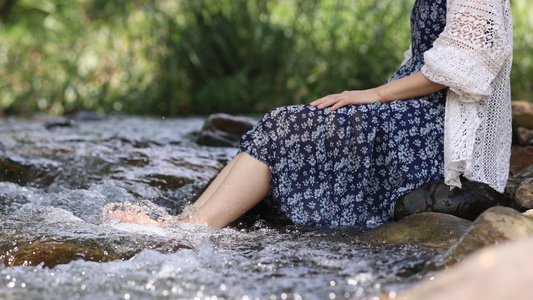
<point x="428" y="229"/>
<point x="495" y="226"/>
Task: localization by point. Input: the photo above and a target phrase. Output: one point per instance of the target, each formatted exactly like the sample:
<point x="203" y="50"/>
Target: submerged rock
<point x="73" y="118"/>
<point x="52" y="236"/>
<point x="495" y="226"/>
<point x="84" y="115"/>
<point x="468" y="202"/>
<point x="222" y="130"/>
<point x="51" y="253"/>
<point x="494" y="273"/>
<point x="36" y="172"/>
<point x="428" y="229"/>
<point x="60" y="122"/>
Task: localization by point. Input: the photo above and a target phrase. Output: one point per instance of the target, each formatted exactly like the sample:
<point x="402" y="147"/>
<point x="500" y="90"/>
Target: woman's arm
<point x="412" y="86"/>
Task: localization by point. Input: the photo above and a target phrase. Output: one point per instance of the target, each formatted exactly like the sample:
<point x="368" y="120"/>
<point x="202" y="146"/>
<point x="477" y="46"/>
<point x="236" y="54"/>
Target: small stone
<point x="524" y="194"/>
<point x="521" y="159"/>
<point x="516" y="181"/>
<point x="525" y="135"/>
<point x="223" y="130"/>
<point x="528" y="213"/>
<point x="60" y="122"/>
<point x="523" y="114"/>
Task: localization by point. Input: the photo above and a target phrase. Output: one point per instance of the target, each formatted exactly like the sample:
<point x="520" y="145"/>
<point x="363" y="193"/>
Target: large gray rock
<point x="223" y="130"/>
<point x="495" y="226"/>
<point x="428" y="229"/>
<point x="494" y="273"/>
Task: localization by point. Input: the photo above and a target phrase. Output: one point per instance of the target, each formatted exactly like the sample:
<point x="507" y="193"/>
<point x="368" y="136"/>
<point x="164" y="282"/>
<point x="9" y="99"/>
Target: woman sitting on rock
<point x="345" y="159"/>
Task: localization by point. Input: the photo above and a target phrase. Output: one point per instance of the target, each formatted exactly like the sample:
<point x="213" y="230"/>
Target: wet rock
<point x="84" y="115"/>
<point x="135" y="142"/>
<point x="428" y="229"/>
<point x="51" y="253"/>
<point x="16" y="171"/>
<point x="515" y="181"/>
<point x="523" y="114"/>
<point x="52" y="236"/>
<point x="524" y="195"/>
<point x="135" y="159"/>
<point x="468" y="202"/>
<point x="60" y="122"/>
<point x="167" y="181"/>
<point x="36" y="172"/>
<point x="495" y="226"/>
<point x="494" y="273"/>
<point x="222" y="130"/>
<point x="73" y="118"/>
<point x="521" y="158"/>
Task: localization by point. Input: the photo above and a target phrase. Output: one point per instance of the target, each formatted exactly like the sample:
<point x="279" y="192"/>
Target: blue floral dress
<point x="347" y="167"/>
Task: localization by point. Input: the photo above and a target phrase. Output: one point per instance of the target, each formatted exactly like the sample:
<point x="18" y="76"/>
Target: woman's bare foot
<point x="140" y="212"/>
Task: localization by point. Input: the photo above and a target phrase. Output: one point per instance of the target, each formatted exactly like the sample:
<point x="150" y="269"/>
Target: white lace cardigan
<point x="473" y="57"/>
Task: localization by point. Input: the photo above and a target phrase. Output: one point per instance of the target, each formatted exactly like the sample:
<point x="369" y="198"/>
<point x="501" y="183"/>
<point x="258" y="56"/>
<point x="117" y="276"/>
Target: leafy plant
<point x="180" y="57"/>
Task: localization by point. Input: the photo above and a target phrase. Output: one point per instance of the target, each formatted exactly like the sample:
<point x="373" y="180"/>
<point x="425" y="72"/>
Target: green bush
<point x="180" y="57"/>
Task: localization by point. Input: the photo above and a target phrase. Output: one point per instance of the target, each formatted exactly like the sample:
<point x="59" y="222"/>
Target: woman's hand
<point x="409" y="87"/>
<point x="336" y="101"/>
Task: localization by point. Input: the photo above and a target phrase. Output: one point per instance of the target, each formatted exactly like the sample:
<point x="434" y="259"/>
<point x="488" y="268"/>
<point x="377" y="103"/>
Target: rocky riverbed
<point x="57" y="174"/>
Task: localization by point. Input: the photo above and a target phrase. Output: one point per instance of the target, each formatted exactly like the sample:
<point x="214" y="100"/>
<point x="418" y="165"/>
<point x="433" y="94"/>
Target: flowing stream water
<point x="55" y="182"/>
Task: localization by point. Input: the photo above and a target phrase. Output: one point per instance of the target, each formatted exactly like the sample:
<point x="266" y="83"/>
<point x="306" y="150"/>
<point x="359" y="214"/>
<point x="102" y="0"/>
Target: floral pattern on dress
<point x="347" y="167"/>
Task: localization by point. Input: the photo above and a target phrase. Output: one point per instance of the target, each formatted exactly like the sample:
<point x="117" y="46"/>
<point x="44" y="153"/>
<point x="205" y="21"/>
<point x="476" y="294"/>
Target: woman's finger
<point x="326" y="101"/>
<point x="323" y="100"/>
<point x="339" y="104"/>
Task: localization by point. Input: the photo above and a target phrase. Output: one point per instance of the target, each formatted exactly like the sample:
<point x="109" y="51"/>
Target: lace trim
<point x="473" y="58"/>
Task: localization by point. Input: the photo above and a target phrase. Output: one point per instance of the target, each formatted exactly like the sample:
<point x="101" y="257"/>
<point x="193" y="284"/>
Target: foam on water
<point x="232" y="264"/>
<point x="127" y="159"/>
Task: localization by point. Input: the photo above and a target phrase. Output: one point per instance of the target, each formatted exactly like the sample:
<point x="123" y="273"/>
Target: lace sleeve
<point x="471" y="50"/>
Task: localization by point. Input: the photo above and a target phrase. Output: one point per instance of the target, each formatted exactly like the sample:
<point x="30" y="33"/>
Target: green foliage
<point x="522" y="72"/>
<point x="181" y="57"/>
<point x="225" y="56"/>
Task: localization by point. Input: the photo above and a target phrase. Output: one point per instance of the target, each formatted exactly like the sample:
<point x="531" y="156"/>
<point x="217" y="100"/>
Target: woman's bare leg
<point x="245" y="184"/>
<point x="242" y="184"/>
<point x="216" y="183"/>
